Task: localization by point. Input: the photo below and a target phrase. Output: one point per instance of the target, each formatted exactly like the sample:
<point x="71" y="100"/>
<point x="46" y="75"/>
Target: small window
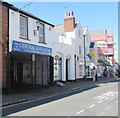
<point x="23" y="27"/>
<point x="40" y="29"/>
<point x="92" y="45"/>
<point x="80" y="70"/>
<point x="80" y="50"/>
<point x="79" y="33"/>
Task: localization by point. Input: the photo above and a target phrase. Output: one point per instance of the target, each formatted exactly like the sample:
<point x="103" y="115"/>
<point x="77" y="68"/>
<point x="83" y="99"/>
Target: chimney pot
<point x="69" y="22"/>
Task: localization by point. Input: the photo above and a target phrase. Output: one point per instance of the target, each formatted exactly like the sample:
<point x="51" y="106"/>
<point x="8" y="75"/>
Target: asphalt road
<point x="99" y="101"/>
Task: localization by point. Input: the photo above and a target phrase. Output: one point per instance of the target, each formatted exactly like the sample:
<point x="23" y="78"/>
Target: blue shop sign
<point x="30" y="48"/>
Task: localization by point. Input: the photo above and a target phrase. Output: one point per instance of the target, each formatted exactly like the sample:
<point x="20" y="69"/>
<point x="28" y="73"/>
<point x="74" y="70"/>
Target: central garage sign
<point x="31" y="48"/>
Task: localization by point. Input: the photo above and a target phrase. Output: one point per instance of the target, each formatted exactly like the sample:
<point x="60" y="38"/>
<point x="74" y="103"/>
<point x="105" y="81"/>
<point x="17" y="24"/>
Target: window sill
<point x="24" y="38"/>
<point x="43" y="43"/>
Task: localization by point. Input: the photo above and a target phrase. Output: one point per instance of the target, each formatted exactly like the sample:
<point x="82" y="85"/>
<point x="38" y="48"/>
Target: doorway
<point x="67" y="69"/>
<point x="19" y="72"/>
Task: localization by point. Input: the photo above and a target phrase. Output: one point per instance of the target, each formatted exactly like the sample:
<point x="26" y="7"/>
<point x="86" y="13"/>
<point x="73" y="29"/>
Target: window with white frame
<point x="41" y="36"/>
<point x="23" y="27"/>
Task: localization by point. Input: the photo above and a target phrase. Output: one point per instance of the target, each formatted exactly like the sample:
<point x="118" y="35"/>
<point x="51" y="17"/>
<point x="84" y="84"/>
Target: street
<point x="59" y="63"/>
<point x="99" y="101"/>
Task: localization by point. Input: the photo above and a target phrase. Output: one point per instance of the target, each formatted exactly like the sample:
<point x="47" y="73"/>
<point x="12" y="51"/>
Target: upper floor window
<point x="23" y="27"/>
<point x="79" y="32"/>
<point x="80" y="50"/>
<point x="40" y="30"/>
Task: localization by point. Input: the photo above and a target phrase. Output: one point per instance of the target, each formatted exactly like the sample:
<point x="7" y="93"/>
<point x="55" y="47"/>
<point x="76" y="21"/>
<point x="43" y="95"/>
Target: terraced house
<point x="29" y="57"/>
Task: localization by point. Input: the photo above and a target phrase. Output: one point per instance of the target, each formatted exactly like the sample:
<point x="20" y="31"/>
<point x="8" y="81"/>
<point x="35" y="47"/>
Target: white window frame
<point x="25" y="26"/>
<point x="41" y="33"/>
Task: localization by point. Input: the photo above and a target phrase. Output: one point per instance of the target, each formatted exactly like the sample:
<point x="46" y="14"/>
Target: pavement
<point x="41" y="93"/>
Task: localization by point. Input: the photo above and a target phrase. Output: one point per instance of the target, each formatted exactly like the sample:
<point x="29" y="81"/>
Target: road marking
<point x="107" y="98"/>
<point x="106" y="95"/>
<point x="92" y="106"/>
<point x="100" y="101"/>
<point x="80" y="111"/>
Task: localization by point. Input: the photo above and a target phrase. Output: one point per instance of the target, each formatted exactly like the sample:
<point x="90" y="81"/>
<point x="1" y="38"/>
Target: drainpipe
<point x="84" y="59"/>
<point x="75" y="65"/>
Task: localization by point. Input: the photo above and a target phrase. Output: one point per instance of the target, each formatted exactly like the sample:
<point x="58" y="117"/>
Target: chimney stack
<point x="69" y="22"/>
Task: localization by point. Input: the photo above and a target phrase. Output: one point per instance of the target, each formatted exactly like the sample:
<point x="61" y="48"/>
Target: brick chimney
<point x="69" y="22"/>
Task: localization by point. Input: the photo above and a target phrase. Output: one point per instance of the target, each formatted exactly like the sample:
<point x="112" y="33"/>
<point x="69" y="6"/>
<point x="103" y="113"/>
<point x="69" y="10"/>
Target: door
<point x="19" y="72"/>
<point x="66" y="69"/>
<point x="51" y="63"/>
<point x="39" y="70"/>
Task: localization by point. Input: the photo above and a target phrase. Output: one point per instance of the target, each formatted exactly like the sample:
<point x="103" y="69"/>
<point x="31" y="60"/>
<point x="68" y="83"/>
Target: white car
<point x="99" y="75"/>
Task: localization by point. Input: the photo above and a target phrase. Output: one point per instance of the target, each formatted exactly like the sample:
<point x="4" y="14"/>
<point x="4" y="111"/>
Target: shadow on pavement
<point x="53" y="95"/>
<point x="29" y="104"/>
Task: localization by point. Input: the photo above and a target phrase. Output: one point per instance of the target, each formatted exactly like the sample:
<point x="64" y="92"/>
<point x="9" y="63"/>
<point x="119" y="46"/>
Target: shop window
<point x="80" y="69"/>
<point x="41" y="36"/>
<point x="23" y="27"/>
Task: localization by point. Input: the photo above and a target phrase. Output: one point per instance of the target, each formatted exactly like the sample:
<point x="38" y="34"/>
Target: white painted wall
<point x="14" y="29"/>
<point x="67" y="45"/>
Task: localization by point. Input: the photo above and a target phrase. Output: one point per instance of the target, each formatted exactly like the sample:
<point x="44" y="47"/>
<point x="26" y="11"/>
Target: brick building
<point x="4" y="17"/>
<point x="105" y="42"/>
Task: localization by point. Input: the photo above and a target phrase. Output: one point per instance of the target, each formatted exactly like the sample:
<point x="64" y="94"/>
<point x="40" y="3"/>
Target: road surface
<point x="99" y="101"/>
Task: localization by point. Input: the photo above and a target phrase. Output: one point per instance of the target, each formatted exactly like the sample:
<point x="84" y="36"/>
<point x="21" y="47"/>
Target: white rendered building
<point x="68" y="50"/>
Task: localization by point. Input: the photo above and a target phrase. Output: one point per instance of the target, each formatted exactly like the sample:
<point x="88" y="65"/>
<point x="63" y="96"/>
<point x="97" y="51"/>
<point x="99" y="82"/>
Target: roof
<point x="59" y="29"/>
<point x="83" y="28"/>
<point x="98" y="32"/>
<point x="23" y="12"/>
<point x="5" y="3"/>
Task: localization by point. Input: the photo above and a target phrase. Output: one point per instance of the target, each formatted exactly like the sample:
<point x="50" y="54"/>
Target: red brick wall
<point x="3" y="43"/>
<point x="0" y="46"/>
<point x="69" y="24"/>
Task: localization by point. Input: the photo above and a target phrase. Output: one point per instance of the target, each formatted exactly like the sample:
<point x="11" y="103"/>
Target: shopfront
<point x="30" y="65"/>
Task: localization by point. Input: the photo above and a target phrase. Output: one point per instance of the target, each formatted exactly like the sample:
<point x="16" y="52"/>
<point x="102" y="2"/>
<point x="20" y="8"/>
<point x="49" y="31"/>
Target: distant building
<point x="105" y="42"/>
